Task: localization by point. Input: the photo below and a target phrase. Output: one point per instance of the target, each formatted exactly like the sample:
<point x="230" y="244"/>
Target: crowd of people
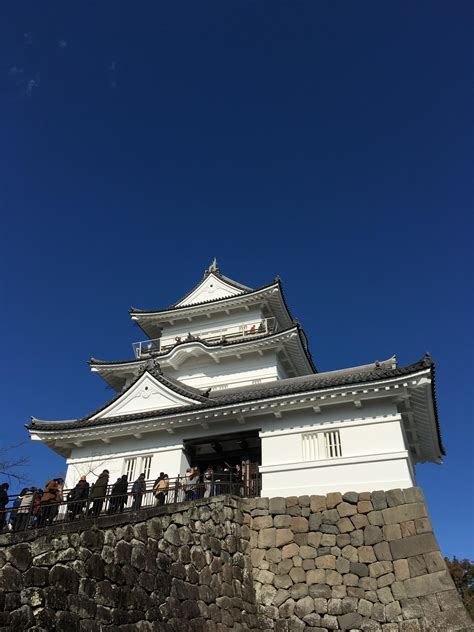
<point x="35" y="507"/>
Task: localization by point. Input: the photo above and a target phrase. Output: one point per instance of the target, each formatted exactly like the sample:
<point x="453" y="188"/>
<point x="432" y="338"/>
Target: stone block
<point x="297" y="561"/>
<point x="366" y="554"/>
<point x="378" y="612"/>
<point x="301" y="539"/>
<point x="350" y="497"/>
<point x="365" y="608"/>
<point x="393" y="611"/>
<point x="314" y="539"/>
<point x="368" y="583"/>
<point x="317" y="503"/>
<point x="350" y="621"/>
<point x="333" y="578"/>
<point x="385" y="580"/>
<point x="428" y="584"/>
<point x="375" y="518"/>
<point x="326" y="562"/>
<point x="314" y="521"/>
<point x="282" y="537"/>
<point x="281" y="521"/>
<point x="273" y="555"/>
<point x="379" y="500"/>
<point x="338" y="592"/>
<point x="343" y="565"/>
<point x="364" y="506"/>
<point x="414" y="495"/>
<point x="320" y="605"/>
<point x="350" y="579"/>
<point x="349" y="604"/>
<point x="329" y="622"/>
<point x="423" y="525"/>
<point x="299" y="524"/>
<point x="287" y="608"/>
<point x="372" y="535"/>
<point x="392" y="532"/>
<point x="346" y="509"/>
<point x="359" y="521"/>
<point x="382" y="551"/>
<point x="401" y="570"/>
<point x="304" y="606"/>
<point x="350" y="553"/>
<point x="342" y="540"/>
<point x="282" y="581"/>
<point x="417" y="566"/>
<point x="298" y="575"/>
<point x="361" y="570"/>
<point x="333" y="499"/>
<point x="262" y="522"/>
<point x="428" y="603"/>
<point x="267" y="538"/>
<point x="330" y="516"/>
<point x="344" y="525"/>
<point x="402" y="513"/>
<point x="407" y="528"/>
<point x="308" y="552"/>
<point x="434" y="561"/>
<point x="385" y="595"/>
<point x="377" y="569"/>
<point x="414" y="545"/>
<point x="297" y="591"/>
<point x="395" y="497"/>
<point x="276" y="505"/>
<point x="357" y="537"/>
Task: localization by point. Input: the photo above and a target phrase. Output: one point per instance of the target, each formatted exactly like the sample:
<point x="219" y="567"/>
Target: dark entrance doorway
<point x="220" y="451"/>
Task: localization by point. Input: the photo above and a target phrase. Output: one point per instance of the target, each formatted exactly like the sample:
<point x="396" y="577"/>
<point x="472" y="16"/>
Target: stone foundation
<point x="366" y="561"/>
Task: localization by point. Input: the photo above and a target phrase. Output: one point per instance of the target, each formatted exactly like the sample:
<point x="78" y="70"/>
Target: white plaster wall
<point x="212" y="326"/>
<point x="201" y="372"/>
<point x="374" y="454"/>
<point x="391" y="472"/>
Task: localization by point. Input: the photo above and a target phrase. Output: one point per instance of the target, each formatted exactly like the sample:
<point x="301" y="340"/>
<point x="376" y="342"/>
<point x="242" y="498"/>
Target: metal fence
<point x="38" y="515"/>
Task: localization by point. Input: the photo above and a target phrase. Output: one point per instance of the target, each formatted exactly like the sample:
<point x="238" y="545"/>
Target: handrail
<point x="180" y="489"/>
<point x="146" y="348"/>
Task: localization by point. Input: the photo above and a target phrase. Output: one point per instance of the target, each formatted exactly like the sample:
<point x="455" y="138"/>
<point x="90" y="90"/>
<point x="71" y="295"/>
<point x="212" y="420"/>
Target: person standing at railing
<point x="119" y="496"/>
<point x="23" y="513"/>
<point x="138" y="489"/>
<point x="3" y="503"/>
<point x="99" y="492"/>
<point x="78" y="497"/>
<point x="208" y="478"/>
<point x="160" y="488"/>
<point x="52" y="496"/>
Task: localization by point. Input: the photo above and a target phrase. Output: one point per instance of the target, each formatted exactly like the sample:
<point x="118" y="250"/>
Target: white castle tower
<point x="225" y="375"/>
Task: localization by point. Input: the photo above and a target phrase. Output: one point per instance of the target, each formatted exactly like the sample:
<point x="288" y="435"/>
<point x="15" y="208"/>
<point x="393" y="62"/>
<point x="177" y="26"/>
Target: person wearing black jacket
<point x="138" y="489"/>
<point x="118" y="497"/>
<point x="3" y="503"/>
<point x="79" y="496"/>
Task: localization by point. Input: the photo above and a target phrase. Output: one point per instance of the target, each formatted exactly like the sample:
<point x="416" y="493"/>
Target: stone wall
<point x="171" y="569"/>
<point x="358" y="561"/>
<point x="366" y="561"/>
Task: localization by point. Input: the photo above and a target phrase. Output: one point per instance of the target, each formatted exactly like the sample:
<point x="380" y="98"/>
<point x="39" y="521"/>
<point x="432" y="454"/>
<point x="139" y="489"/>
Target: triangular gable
<point x="212" y="287"/>
<point x="146" y="394"/>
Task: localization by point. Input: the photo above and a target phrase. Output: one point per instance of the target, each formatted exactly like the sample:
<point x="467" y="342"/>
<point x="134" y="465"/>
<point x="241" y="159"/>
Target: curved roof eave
<point x="165" y="355"/>
<point x="133" y="311"/>
<point x="272" y="390"/>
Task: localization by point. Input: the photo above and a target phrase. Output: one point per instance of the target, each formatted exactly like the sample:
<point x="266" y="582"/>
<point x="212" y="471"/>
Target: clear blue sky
<point x="327" y="142"/>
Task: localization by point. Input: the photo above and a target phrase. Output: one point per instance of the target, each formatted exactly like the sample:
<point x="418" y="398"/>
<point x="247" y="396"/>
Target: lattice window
<point x="146" y="465"/>
<point x="129" y="468"/>
<point x="321" y="445"/>
<point x="332" y="442"/>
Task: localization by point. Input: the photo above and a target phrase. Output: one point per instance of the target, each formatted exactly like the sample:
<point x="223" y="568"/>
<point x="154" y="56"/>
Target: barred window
<point x="129" y="468"/>
<point x="333" y="444"/>
<point x="146" y="465"/>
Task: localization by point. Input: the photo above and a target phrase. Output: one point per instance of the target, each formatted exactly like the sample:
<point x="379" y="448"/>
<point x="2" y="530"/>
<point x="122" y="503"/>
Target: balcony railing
<point x="148" y="348"/>
<point x="36" y="515"/>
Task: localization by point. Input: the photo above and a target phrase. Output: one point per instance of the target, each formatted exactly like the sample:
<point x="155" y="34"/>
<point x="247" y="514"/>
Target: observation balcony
<point x="264" y="326"/>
